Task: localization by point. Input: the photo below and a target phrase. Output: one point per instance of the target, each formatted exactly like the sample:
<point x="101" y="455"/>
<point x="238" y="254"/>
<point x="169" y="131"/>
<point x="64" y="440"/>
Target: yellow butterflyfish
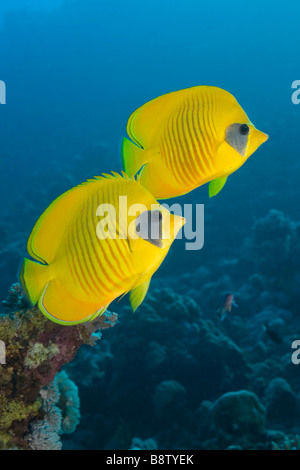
<point x="187" y="138"/>
<point x="94" y="244"/>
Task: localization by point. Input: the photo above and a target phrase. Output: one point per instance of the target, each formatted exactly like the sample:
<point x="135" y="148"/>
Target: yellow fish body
<point x="83" y="264"/>
<point x="187" y="138"/>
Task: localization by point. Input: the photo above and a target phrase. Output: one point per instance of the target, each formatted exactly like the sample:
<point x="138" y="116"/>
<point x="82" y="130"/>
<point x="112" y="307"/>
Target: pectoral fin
<point x="215" y="186"/>
<point x="138" y="294"/>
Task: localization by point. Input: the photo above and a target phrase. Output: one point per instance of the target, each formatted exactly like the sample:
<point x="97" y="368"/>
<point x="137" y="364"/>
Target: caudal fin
<point x="34" y="277"/>
<point x="133" y="157"/>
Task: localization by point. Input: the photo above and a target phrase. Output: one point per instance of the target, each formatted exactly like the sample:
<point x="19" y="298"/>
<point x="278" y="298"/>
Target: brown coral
<point x="36" y="349"/>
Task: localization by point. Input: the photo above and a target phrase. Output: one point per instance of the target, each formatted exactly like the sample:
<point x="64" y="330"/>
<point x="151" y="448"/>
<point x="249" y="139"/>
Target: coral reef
<point x="288" y="443"/>
<point x="68" y="402"/>
<point x="239" y="412"/>
<point x="173" y="370"/>
<point x="281" y="401"/>
<point x="60" y="403"/>
<point x="172" y="363"/>
<point x="166" y="396"/>
<point x="167" y="358"/>
<point x="16" y="299"/>
<point x="36" y="349"/>
<point x="139" y="444"/>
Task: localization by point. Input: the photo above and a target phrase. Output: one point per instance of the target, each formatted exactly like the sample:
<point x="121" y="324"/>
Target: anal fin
<point x="57" y="304"/>
<point x="99" y="312"/>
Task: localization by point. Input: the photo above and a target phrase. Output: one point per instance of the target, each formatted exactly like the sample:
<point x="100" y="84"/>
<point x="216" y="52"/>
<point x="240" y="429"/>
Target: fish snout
<point x="257" y="138"/>
<point x="171" y="232"/>
<point x="178" y="223"/>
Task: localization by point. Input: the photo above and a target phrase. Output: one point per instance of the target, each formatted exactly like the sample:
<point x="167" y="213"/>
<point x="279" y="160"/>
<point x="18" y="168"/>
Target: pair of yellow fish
<point x="179" y="141"/>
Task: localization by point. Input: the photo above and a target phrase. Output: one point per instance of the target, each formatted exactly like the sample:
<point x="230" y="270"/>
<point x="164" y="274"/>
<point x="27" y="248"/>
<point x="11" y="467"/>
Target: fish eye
<point x="237" y="136"/>
<point x="244" y="129"/>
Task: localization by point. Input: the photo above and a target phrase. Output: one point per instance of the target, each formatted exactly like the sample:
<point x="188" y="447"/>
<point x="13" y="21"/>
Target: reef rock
<point x="239" y="413"/>
<point x="33" y="351"/>
<point x="281" y="401"/>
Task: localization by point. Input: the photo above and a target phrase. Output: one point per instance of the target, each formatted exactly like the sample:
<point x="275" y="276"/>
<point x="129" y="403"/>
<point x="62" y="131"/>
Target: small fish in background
<point x="272" y="333"/>
<point x="75" y="274"/>
<point x="227" y="305"/>
<point x="187" y="138"/>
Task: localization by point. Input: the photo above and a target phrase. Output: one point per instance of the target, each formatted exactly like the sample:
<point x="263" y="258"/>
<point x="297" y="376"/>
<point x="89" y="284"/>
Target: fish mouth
<point x="179" y="222"/>
<point x="257" y="138"/>
<point x="263" y="137"/>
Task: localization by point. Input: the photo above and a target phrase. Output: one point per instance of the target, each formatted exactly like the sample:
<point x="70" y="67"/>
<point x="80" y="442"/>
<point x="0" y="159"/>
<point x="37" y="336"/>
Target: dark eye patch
<point x="237" y="137"/>
<point x="149" y="227"/>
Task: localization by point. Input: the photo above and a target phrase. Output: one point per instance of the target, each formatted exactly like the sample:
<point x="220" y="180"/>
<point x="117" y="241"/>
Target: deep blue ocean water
<point x="74" y="72"/>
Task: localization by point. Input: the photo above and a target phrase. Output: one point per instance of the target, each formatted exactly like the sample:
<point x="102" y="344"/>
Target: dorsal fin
<point x="143" y="124"/>
<point x="47" y="233"/>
